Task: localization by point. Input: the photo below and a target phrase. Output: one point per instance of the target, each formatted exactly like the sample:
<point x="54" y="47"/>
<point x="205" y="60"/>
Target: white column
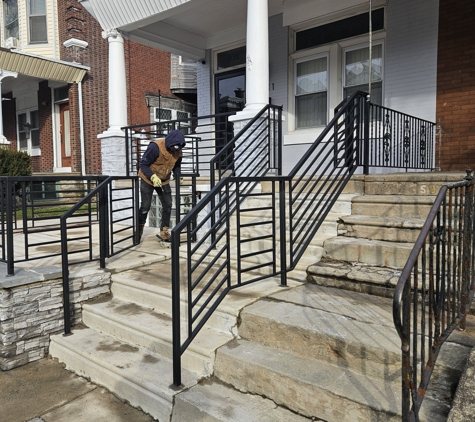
<point x="257" y="55"/>
<point x="4" y="74"/>
<point x="117" y="84"/>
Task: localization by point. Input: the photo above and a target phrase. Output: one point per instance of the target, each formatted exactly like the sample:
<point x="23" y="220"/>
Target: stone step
<point x="147" y="328"/>
<point x="341" y="206"/>
<point x="350" y="330"/>
<point x="394" y="229"/>
<point x="392" y="206"/>
<point x="355" y="185"/>
<point x="132" y="373"/>
<point x="378" y="253"/>
<point x="414" y="183"/>
<point x="332" y="393"/>
<point x="213" y="401"/>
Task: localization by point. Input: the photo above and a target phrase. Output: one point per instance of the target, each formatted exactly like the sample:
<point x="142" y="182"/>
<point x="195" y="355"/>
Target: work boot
<point x="141" y="231"/>
<point x="164" y="234"/>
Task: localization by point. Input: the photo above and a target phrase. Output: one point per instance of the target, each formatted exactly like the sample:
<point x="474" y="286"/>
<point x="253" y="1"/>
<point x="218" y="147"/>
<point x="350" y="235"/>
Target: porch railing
<point x="86" y="218"/>
<point x="435" y="289"/>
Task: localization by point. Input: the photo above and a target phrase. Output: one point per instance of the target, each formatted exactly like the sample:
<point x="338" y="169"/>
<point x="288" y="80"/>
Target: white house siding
<point x="278" y="80"/>
<point x="411" y="57"/>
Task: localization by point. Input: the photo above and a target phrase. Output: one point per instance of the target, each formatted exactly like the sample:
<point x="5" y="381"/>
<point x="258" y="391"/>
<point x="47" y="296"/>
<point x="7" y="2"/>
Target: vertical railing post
<point x="65" y="276"/>
<point x="467" y="248"/>
<point x="406" y="353"/>
<point x="128" y="149"/>
<point x="283" y="237"/>
<point x="10" y="197"/>
<point x="279" y="143"/>
<point x="176" y="335"/>
<point x="103" y="225"/>
<point x="366" y="121"/>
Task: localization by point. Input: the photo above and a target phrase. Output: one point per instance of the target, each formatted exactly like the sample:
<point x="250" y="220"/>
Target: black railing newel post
<point x="65" y="276"/>
<point x="406" y="354"/>
<point x="279" y="142"/>
<point x="136" y="210"/>
<point x="366" y="118"/>
<point x="128" y="149"/>
<point x="103" y="226"/>
<point x="176" y="336"/>
<point x="467" y="247"/>
<point x="10" y="197"/>
<point x="283" y="237"/>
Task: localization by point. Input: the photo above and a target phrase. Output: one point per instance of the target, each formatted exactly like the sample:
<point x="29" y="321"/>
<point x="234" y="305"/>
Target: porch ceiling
<point x="186" y="27"/>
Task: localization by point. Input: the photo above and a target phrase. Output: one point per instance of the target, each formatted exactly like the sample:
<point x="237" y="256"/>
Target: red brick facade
<point x="456" y="84"/>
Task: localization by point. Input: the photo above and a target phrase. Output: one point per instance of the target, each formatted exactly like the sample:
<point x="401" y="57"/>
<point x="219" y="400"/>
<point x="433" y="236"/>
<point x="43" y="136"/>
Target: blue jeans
<point x="164" y="194"/>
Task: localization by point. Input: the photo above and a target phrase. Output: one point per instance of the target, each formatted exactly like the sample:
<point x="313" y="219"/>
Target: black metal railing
<point x="435" y="289"/>
<point x="76" y="218"/>
<point x="289" y="212"/>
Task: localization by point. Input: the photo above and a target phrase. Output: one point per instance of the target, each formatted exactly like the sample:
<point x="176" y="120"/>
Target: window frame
<point x="33" y="151"/>
<point x="6" y="32"/>
<point x="295" y="95"/>
<point x="30" y="16"/>
<point x="360" y="46"/>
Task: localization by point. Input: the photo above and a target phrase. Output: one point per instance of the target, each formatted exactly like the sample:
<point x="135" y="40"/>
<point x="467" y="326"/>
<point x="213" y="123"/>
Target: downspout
<point x="81" y="130"/>
<point x="370" y="48"/>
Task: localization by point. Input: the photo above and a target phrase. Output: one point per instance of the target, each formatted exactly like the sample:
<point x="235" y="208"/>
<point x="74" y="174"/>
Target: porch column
<point x="257" y="55"/>
<point x="4" y="74"/>
<point x="117" y="84"/>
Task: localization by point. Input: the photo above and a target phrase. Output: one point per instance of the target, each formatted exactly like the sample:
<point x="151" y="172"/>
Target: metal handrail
<point x="436" y="285"/>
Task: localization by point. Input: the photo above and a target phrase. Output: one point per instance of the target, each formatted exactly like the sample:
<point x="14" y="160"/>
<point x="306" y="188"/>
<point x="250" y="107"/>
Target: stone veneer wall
<point x="32" y="311"/>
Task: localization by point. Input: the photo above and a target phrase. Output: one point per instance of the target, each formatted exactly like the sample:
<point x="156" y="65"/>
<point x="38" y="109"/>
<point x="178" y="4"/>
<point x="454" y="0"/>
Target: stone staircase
<point x="322" y="350"/>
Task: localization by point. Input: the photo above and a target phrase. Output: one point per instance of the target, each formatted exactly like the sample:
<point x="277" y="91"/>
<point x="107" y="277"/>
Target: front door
<point x="230" y="96"/>
<point x="65" y="135"/>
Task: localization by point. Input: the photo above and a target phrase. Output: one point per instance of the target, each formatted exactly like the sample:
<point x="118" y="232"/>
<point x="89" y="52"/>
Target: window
<point x="43" y="191"/>
<point x="10" y="14"/>
<point x="311" y="92"/>
<point x="356" y="77"/>
<point x="37" y="21"/>
<point x="29" y="131"/>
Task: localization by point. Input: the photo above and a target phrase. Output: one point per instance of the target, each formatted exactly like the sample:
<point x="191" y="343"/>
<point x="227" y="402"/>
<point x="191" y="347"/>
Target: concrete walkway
<point x="43" y="391"/>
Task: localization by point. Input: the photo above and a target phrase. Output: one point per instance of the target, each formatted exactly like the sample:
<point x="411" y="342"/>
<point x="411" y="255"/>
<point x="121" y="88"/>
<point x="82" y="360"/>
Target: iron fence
<point x="77" y="218"/>
<point x="435" y="289"/>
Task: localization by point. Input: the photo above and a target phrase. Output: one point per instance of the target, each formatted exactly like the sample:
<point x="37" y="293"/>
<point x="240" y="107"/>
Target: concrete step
<point x="332" y="393"/>
<point x="392" y="206"/>
<point x="414" y="183"/>
<point x="130" y="372"/>
<point x="213" y="401"/>
<point x="376" y="253"/>
<point x="144" y="327"/>
<point x="151" y="287"/>
<point x="394" y="229"/>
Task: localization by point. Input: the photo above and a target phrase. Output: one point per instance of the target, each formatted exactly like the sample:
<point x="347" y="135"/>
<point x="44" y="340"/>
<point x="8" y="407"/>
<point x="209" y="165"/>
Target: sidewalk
<point x="43" y="390"/>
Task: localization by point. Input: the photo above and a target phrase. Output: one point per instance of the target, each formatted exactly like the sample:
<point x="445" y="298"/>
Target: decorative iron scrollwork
<point x="422" y="145"/>
<point x="387" y="138"/>
<point x="406" y="141"/>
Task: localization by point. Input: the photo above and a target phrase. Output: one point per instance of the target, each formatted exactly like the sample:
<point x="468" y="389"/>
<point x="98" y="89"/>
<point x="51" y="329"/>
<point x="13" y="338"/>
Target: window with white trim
<point x="29" y="132"/>
<point x="37" y="29"/>
<point x="10" y="17"/>
<point x="357" y="69"/>
<point x="311" y="85"/>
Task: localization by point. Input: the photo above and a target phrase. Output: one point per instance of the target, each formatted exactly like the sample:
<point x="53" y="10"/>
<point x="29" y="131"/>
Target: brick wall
<point x="456" y="84"/>
<point x="44" y="162"/>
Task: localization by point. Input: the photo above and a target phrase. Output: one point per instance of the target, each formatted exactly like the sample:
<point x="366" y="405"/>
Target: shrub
<point x="14" y="163"/>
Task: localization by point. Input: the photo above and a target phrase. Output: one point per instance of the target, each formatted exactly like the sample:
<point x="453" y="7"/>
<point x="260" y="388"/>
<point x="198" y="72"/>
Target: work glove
<point x="157" y="182"/>
<point x="181" y="180"/>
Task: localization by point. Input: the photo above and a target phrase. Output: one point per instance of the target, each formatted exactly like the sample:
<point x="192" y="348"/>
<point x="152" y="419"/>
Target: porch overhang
<point x="41" y="67"/>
